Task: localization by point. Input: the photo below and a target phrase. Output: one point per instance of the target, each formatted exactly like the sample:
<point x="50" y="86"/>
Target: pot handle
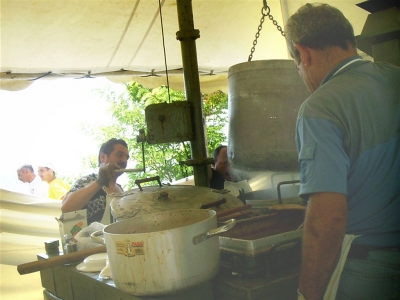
<point x="139" y="181"/>
<point x="213" y="232"/>
<point x="95" y="237"/>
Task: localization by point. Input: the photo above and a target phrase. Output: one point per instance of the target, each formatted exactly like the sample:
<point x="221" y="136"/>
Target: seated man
<point x="221" y="170"/>
<point x="89" y="192"/>
<point x="57" y="187"/>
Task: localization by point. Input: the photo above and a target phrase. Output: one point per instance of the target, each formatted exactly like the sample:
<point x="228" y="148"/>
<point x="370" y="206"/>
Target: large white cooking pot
<point x="163" y="252"/>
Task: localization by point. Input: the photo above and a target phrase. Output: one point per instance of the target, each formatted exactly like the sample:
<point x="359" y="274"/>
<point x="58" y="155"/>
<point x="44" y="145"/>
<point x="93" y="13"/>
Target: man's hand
<point x="106" y="174"/>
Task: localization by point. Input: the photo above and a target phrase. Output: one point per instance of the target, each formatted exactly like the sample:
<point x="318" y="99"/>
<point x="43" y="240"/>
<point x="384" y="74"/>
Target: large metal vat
<point x="263" y="100"/>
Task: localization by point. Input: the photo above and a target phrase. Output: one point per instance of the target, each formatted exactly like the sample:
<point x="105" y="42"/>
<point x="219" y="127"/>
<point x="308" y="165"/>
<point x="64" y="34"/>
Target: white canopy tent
<point x="123" y="40"/>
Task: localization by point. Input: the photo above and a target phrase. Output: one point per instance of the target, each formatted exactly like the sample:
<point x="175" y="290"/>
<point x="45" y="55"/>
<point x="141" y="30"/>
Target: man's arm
<point x="324" y="230"/>
<point x="79" y="198"/>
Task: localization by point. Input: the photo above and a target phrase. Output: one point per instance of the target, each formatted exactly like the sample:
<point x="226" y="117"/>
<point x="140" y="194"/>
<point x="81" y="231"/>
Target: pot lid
<point x="155" y="199"/>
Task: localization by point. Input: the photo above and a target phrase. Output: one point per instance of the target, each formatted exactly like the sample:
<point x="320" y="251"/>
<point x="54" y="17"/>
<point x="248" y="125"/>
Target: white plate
<point x="93" y="263"/>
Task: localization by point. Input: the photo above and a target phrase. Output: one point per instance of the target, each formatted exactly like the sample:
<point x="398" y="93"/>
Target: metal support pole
<point x="187" y="35"/>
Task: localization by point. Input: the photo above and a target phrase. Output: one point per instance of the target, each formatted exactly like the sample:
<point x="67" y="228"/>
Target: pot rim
<point x="208" y="215"/>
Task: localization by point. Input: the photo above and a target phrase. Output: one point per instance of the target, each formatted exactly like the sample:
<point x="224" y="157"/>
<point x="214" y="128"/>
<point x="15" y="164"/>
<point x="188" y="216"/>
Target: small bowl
<point x="93" y="263"/>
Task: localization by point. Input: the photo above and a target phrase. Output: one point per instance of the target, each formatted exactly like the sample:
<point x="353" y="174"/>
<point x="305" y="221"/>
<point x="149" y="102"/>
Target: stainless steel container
<point x="164" y="252"/>
<point x="264" y="99"/>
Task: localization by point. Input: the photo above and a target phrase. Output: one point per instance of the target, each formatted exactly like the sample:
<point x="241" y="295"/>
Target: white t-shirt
<point x="38" y="187"/>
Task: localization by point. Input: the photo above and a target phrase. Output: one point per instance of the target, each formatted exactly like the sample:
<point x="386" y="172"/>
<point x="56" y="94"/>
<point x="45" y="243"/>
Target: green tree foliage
<point x="160" y="159"/>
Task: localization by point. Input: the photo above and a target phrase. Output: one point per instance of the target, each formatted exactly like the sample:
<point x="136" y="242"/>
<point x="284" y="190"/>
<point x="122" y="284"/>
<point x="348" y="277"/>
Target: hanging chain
<point x="265" y="11"/>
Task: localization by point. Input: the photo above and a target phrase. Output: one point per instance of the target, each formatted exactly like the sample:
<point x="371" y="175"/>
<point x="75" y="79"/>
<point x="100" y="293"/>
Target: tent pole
<point x="187" y="35"/>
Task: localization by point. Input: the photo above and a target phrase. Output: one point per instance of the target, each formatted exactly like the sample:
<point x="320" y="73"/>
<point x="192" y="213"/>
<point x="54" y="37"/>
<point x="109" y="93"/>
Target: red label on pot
<point x="129" y="248"/>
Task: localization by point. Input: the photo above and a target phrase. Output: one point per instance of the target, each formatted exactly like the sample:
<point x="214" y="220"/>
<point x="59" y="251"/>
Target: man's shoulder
<point x="38" y="182"/>
<point x="83" y="181"/>
<point x="88" y="178"/>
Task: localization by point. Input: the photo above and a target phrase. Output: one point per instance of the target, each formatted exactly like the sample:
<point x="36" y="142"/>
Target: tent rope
<point x="165" y="55"/>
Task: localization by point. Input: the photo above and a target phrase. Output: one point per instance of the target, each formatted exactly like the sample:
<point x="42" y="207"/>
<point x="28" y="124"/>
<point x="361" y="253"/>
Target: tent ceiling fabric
<point x="123" y="39"/>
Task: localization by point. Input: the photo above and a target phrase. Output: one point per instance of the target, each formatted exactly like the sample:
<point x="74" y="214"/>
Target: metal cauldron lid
<point x="156" y="199"/>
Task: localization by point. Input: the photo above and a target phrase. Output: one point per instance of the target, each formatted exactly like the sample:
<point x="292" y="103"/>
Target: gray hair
<point x="26" y="167"/>
<point x="318" y="26"/>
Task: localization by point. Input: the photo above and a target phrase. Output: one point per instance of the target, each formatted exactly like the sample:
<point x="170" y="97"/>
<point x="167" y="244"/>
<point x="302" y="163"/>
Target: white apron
<point x="331" y="290"/>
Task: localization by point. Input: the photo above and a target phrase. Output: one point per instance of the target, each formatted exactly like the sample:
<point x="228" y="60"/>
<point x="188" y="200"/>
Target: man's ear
<point x="102" y="157"/>
<point x="304" y="54"/>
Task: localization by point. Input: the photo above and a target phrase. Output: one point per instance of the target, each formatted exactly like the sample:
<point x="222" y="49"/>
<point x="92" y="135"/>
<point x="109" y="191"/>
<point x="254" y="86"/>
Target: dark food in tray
<point x="262" y="226"/>
<point x="264" y="244"/>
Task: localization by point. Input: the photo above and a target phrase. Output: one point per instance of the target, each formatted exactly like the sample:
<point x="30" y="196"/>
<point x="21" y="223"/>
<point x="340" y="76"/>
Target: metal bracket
<point x="188" y="34"/>
<point x="197" y="162"/>
<point x="279" y="188"/>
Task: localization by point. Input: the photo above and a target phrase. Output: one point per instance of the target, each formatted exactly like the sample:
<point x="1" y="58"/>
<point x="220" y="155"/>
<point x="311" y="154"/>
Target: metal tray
<point x="264" y="244"/>
<point x="260" y="246"/>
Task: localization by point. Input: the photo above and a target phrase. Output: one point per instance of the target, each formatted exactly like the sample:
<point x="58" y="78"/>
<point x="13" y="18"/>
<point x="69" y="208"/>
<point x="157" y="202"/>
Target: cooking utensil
<point x="163" y="252"/>
<point x="212" y="204"/>
<point x="128" y="170"/>
<point x="58" y="260"/>
<point x="158" y="198"/>
<point x="232" y="210"/>
<point x="238" y="215"/>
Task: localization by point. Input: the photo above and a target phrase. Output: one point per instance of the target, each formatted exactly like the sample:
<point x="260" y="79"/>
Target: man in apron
<point x="348" y="142"/>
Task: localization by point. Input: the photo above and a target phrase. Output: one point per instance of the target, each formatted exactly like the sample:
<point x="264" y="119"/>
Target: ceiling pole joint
<point x="188" y="34"/>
